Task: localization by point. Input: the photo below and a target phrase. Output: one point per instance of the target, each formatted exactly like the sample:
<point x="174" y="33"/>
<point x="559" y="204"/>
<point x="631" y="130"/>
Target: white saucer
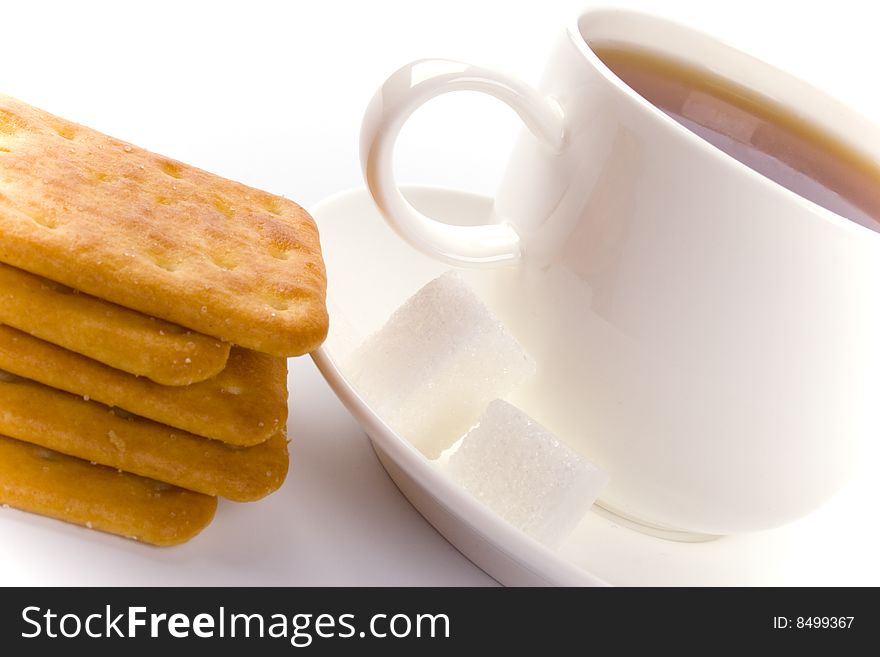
<point x="371" y="272"/>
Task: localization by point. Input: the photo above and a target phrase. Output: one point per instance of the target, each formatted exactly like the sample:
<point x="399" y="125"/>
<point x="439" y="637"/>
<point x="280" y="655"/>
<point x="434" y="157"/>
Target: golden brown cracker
<point x="121" y="338"/>
<point x="158" y="236"/>
<point x="243" y="405"/>
<point x="42" y="481"/>
<point x="56" y="420"/>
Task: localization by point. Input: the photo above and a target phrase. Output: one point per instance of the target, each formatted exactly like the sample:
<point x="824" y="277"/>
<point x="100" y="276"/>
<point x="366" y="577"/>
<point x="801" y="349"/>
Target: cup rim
<point x="579" y="40"/>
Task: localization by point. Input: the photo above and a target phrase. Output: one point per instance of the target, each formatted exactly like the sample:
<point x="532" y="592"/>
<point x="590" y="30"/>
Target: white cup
<point x="707" y="336"/>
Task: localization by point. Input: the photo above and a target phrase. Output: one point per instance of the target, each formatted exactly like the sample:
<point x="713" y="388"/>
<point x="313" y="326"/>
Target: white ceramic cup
<point x="707" y="336"/>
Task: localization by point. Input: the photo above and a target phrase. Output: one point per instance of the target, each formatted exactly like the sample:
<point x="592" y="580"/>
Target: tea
<point x="759" y="132"/>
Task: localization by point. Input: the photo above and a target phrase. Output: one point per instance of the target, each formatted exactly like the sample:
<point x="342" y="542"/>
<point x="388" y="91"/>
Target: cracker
<point x="42" y="481"/>
<point x="121" y="338"/>
<point x="243" y="405"/>
<point x="56" y="420"/>
<point x="158" y="236"/>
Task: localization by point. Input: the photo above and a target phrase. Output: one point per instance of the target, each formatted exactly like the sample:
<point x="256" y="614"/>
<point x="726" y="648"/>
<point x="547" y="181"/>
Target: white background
<point x="272" y="94"/>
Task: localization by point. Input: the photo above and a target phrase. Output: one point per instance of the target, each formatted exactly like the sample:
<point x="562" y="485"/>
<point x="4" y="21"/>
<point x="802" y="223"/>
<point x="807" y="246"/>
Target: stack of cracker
<point x="147" y="310"/>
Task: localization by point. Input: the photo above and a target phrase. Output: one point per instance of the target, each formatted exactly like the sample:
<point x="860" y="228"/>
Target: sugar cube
<point x="525" y="474"/>
<point x="439" y="359"/>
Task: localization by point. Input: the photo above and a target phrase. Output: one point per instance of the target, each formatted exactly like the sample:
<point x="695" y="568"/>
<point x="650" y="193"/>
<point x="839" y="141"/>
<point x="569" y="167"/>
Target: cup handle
<point x="394" y="102"/>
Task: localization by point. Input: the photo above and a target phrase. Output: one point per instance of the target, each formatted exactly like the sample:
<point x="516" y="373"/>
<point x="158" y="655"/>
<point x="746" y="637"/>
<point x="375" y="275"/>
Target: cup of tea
<point x="687" y="242"/>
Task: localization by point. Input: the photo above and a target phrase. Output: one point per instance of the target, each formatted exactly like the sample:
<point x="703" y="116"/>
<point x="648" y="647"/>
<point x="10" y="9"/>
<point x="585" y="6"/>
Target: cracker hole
<point x="103" y="176"/>
<point x="168" y="264"/>
<point x="296" y="294"/>
<point x="164" y="200"/>
<point x="224" y="261"/>
<point x="222" y="206"/>
<point x="45" y="218"/>
<point x="10" y="123"/>
<point x="66" y="131"/>
<point x="270" y="204"/>
<point x="279" y="304"/>
<point x="169" y="168"/>
<point x="280" y="252"/>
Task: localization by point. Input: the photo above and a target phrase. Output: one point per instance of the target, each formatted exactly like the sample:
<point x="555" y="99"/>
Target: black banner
<point x="432" y="621"/>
